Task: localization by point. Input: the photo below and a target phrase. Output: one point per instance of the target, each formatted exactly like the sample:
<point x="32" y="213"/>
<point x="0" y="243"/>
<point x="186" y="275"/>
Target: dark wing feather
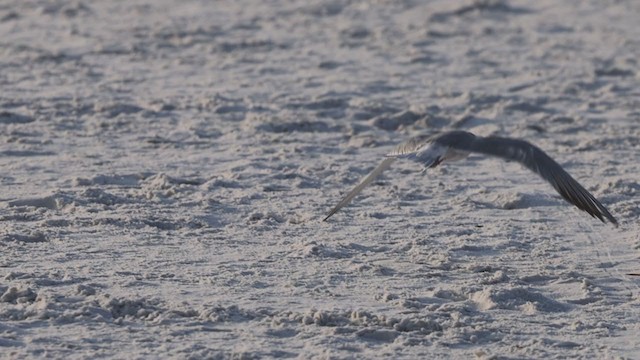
<point x="538" y="161"/>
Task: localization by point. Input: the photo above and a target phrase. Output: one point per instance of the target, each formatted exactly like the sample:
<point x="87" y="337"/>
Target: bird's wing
<point x="541" y="163"/>
<point x="409" y="148"/>
<point x="374" y="174"/>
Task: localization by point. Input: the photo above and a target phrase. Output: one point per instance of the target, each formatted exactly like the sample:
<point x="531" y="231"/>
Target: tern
<point x="432" y="150"/>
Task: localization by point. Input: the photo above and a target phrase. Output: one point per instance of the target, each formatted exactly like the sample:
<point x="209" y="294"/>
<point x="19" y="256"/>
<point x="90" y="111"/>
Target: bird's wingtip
<point x="609" y="218"/>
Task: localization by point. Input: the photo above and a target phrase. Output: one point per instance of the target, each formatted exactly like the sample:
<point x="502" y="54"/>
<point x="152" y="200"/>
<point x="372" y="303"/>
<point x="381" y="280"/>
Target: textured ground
<point x="166" y="164"/>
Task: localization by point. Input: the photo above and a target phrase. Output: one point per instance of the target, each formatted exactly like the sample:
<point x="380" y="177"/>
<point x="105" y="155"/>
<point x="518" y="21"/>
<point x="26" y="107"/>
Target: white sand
<point x="166" y="165"/>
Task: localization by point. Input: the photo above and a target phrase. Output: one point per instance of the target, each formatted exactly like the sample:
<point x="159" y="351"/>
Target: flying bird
<point x="432" y="150"/>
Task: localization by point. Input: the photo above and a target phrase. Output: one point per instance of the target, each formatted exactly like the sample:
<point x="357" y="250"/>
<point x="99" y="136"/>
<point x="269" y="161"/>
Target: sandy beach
<point x="166" y="166"/>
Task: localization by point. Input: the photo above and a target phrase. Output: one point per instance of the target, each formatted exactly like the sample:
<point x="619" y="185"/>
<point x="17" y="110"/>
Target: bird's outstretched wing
<point x="406" y="149"/>
<point x="384" y="165"/>
<point x="541" y="163"/>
